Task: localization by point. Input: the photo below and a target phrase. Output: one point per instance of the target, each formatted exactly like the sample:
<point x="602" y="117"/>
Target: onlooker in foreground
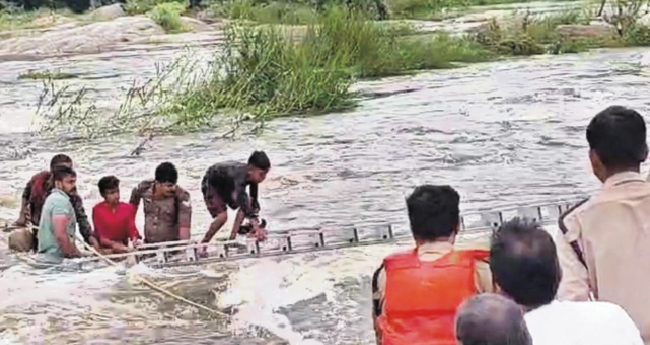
<point x="114" y="220"/>
<point x="56" y="236"/>
<point x="167" y="207"/>
<point x="525" y="266"/>
<point x="604" y="242"/>
<point x="491" y="319"/>
<point x="416" y="293"/>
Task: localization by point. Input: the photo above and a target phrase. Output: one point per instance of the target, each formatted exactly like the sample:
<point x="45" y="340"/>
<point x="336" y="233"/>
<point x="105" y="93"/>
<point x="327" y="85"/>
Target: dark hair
<point x="107" y="183"/>
<point x="491" y="319"/>
<point x="58" y="160"/>
<point x="433" y="212"/>
<point x="166" y="173"/>
<point x="618" y="135"/>
<point x="524" y="262"/>
<point x="61" y="171"/>
<point x="260" y="160"/>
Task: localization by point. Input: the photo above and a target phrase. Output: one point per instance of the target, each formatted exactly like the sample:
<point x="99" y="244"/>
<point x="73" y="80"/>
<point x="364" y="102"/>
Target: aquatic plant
<point x="168" y="16"/>
<point x="46" y="74"/>
<point x="268" y="71"/>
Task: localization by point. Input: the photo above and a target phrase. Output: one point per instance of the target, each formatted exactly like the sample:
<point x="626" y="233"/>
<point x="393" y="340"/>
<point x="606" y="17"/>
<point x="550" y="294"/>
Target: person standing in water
<point x="167" y="206"/>
<point x="224" y="184"/>
<point x="35" y="193"/>
<point x="58" y="221"/>
<point x="114" y="220"/>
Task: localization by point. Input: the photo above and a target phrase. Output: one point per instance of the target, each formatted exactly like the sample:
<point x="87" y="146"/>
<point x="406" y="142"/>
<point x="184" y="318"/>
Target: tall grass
<point x="263" y="72"/>
<point x="275" y="12"/>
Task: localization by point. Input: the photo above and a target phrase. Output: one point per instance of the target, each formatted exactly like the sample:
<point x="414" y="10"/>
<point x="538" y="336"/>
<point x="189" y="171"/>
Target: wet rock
<point x="52" y="20"/>
<point x="106" y="13"/>
<point x="92" y="38"/>
<point x="595" y="31"/>
<point x="195" y="25"/>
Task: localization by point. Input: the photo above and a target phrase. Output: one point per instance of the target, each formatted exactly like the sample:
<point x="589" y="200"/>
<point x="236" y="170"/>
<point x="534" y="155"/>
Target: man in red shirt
<point x="114" y="220"/>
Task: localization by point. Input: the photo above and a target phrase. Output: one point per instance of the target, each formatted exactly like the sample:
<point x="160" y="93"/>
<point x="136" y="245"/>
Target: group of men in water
<point x="51" y="209"/>
<point x="589" y="286"/>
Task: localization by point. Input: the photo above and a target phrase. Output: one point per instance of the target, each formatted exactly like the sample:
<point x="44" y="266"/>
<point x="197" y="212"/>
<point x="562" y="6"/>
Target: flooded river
<point x="501" y="133"/>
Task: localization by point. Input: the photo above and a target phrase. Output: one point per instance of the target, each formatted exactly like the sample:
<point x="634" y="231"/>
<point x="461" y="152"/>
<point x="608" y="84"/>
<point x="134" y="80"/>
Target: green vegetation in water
<point x="273" y="70"/>
<point x="45" y="75"/>
<point x="168" y="16"/>
<point x="268" y="71"/>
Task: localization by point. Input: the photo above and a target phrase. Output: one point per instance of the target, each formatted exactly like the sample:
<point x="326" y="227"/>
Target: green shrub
<point x="168" y="16"/>
<point x="637" y="35"/>
<point x="137" y="7"/>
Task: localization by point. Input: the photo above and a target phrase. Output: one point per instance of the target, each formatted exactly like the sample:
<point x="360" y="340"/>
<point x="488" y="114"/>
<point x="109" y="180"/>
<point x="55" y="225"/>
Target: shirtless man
<point x="35" y="193"/>
<point x="224" y="184"/>
<point x="167" y="206"/>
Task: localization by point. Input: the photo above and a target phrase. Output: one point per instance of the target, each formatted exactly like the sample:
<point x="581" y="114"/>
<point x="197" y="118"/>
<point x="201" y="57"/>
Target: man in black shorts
<point x="224" y="184"/>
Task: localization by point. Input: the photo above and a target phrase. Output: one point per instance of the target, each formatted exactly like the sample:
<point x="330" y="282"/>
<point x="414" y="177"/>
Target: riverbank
<point x="268" y="71"/>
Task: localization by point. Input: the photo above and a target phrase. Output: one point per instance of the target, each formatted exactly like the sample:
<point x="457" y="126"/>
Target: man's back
<point x="57" y="203"/>
<point x="612" y="230"/>
<point x="581" y="323"/>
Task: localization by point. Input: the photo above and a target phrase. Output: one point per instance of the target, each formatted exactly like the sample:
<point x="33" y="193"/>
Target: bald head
<point x="491" y="319"/>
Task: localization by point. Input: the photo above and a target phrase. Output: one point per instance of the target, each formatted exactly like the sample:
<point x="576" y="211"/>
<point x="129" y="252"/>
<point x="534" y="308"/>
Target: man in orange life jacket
<point x="416" y="293"/>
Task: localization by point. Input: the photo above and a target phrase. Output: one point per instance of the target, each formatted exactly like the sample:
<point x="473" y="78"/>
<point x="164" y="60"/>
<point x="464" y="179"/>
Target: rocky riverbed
<point x="108" y="29"/>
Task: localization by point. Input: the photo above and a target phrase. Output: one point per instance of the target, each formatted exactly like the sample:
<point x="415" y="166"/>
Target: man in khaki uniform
<point x="604" y="243"/>
<point x="167" y="207"/>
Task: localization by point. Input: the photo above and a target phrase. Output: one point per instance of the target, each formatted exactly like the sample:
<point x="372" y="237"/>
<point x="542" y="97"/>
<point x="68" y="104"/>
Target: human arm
<point x="184" y="215"/>
<point x="61" y="216"/>
<point x="574" y="285"/>
<point x="136" y="196"/>
<point x="378" y="284"/>
<point x="239" y="219"/>
<point x="134" y="234"/>
<point x="24" y="214"/>
<point x="82" y="220"/>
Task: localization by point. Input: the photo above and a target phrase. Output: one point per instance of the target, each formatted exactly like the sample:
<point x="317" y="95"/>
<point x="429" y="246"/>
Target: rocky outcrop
<point x="195" y="25"/>
<point x="92" y="38"/>
<point x="595" y="30"/>
<point x="106" y="13"/>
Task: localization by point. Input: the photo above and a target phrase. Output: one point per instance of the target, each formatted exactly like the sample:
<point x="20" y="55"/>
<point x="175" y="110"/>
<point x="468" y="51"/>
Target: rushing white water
<point x="508" y="132"/>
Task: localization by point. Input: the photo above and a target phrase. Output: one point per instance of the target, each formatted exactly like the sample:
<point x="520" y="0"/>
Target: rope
<point x="152" y="285"/>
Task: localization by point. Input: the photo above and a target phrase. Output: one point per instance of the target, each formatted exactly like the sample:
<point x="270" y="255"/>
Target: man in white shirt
<point x="524" y="264"/>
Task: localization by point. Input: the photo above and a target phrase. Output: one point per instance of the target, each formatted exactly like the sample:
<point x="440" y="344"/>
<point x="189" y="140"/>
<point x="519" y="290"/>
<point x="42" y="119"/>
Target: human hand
<point x="258" y="232"/>
<point x="202" y="252"/>
<point x="136" y="242"/>
<point x="119" y="247"/>
<point x="21" y="221"/>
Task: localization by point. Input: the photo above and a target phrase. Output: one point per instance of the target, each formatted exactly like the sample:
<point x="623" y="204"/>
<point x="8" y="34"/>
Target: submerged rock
<point x="595" y="30"/>
<point x="92" y="38"/>
<point x="106" y="13"/>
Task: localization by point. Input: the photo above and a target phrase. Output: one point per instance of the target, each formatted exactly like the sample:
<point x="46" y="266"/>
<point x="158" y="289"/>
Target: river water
<point x="508" y="132"/>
